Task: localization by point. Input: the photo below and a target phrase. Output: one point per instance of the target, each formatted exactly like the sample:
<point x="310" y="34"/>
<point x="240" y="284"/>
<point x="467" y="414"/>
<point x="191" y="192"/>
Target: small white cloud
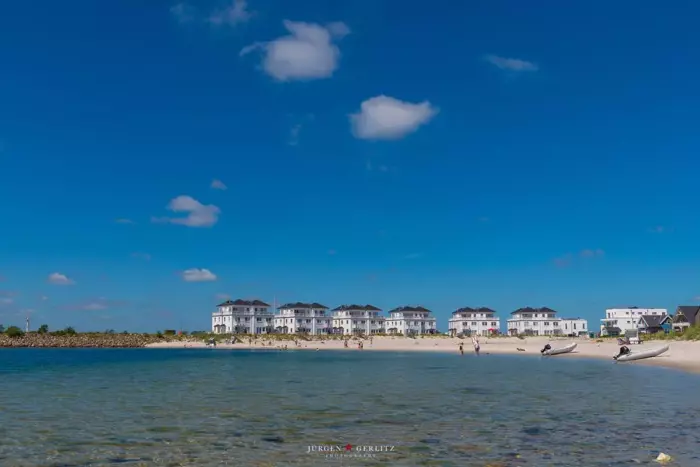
<point x="597" y="253"/>
<point x="413" y="255"/>
<point x="384" y="117"/>
<point x="198" y="214"/>
<point x="97" y="304"/>
<point x="658" y="229"/>
<point x="223" y="296"/>
<point x="60" y="279"/>
<point x="512" y="64"/>
<point x="124" y="221"/>
<point x="332" y="252"/>
<point x="198" y="275"/>
<point x="182" y="12"/>
<point x="563" y="261"/>
<point x="143" y="256"/>
<point x="6" y="300"/>
<point x="294" y="134"/>
<point x="307" y="53"/>
<point x="338" y="29"/>
<point x="218" y="185"/>
<point x="236" y="13"/>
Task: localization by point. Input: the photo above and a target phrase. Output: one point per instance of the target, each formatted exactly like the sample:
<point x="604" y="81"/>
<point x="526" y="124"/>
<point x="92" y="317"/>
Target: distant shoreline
<point x="682" y="355"/>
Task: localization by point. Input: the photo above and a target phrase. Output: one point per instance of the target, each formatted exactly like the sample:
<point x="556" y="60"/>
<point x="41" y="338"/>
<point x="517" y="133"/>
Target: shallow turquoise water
<point x="79" y="407"/>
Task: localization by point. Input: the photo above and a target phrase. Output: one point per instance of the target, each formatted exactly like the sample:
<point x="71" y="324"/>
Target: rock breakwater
<point x="86" y="340"/>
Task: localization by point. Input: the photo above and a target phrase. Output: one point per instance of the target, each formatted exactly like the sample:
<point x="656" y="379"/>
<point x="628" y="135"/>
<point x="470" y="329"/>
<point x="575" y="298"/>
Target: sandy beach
<point x="683" y="355"/>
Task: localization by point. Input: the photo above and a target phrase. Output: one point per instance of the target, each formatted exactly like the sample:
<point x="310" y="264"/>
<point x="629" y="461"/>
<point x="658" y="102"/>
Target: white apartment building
<point x="480" y="321"/>
<point x="617" y="321"/>
<point x="242" y="317"/>
<point x="409" y="320"/>
<point x="534" y="322"/>
<point x="358" y="319"/>
<point x="573" y="326"/>
<point x="308" y="318"/>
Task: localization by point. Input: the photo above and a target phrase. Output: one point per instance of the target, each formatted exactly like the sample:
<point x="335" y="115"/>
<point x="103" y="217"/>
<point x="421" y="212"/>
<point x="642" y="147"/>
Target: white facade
<point x="620" y="320"/>
<point x="573" y="326"/>
<point x="242" y="317"/>
<point x="358" y="319"/>
<point x="534" y="322"/>
<point x="310" y="318"/>
<point x="479" y="321"/>
<point x="411" y="320"/>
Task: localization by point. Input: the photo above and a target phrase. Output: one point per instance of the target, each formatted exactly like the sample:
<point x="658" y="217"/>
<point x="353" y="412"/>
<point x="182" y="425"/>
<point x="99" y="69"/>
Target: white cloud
<point x="371" y="167"/>
<point x="182" y="12"/>
<point x="294" y="135"/>
<point x="563" y="261"/>
<point x="124" y="221"/>
<point x="143" y="256"/>
<point x="597" y="253"/>
<point x="223" y="296"/>
<point x="307" y="53"/>
<point x="198" y="275"/>
<point x="338" y="29"/>
<point x="57" y="278"/>
<point x="95" y="306"/>
<point x="6" y="300"/>
<point x="236" y="13"/>
<point x="218" y="185"/>
<point x="512" y="64"/>
<point x="384" y="117"/>
<point x="198" y="214"/>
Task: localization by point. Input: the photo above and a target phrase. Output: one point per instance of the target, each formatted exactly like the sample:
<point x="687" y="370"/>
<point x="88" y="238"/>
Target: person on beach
<point x="477" y="347"/>
<point x="461" y="348"/>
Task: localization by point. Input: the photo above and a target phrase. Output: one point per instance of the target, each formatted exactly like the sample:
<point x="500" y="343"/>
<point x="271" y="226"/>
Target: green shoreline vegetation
<point x="68" y="337"/>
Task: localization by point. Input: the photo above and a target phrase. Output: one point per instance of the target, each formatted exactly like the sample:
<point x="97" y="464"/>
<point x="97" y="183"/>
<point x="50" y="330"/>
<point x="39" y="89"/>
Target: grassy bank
<point x="691" y="334"/>
<point x="81" y="340"/>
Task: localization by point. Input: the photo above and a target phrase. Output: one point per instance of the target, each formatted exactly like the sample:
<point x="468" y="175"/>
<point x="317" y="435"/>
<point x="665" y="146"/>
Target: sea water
<point x="80" y="407"/>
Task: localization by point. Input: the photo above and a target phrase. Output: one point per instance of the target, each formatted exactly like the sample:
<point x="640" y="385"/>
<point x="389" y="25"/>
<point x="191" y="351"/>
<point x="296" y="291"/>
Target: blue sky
<point x="446" y="154"/>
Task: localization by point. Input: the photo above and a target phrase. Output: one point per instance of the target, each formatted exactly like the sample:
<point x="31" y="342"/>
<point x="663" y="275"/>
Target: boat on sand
<point x="549" y="351"/>
<point x="626" y="355"/>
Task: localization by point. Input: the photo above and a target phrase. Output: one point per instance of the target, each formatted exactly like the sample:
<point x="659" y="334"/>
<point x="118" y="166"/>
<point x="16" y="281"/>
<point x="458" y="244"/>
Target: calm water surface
<point x="80" y="407"/>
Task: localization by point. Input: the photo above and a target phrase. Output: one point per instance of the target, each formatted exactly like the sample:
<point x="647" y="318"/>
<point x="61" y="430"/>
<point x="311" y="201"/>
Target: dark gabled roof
<point x="529" y="309"/>
<point x="240" y="302"/>
<point x="356" y="307"/>
<point x="653" y="321"/>
<point x="467" y="309"/>
<point x="691" y="314"/>
<point x="418" y="309"/>
<point x="314" y="305"/>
